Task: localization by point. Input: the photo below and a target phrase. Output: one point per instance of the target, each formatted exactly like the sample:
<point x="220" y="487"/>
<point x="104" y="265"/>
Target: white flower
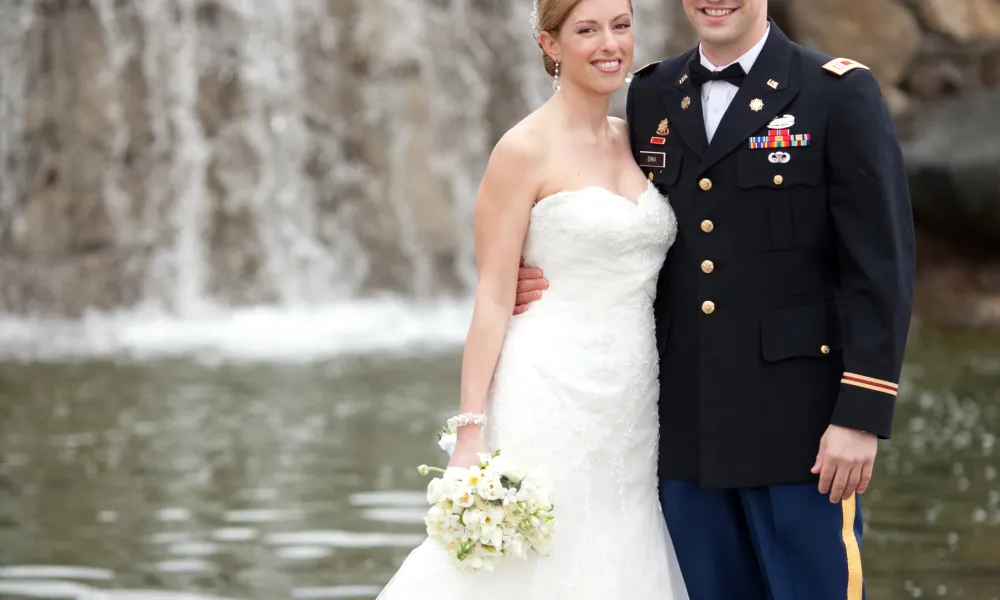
<point x="436" y="490"/>
<point x="490" y="487"/>
<point x="464" y="497"/>
<point x="472" y="517"/>
<point x="447" y="443"/>
<point x="480" y="523"/>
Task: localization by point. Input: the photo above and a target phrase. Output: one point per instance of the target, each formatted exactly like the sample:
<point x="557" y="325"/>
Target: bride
<point x="568" y="388"/>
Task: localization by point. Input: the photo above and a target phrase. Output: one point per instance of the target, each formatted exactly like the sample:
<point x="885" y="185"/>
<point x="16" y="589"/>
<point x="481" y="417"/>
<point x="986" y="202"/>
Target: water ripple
<point x="345" y="591"/>
<point x="56" y="572"/>
<point x="345" y="539"/>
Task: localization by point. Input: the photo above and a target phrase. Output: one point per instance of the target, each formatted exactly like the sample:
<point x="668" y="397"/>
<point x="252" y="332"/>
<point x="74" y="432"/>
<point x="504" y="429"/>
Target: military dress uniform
<point x="782" y="307"/>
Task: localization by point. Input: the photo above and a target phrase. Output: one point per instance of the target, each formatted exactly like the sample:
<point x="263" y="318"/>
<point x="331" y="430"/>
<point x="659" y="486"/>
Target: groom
<point x="783" y="307"/>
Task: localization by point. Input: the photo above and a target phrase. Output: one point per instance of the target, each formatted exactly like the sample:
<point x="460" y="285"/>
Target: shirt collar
<point x="746" y="61"/>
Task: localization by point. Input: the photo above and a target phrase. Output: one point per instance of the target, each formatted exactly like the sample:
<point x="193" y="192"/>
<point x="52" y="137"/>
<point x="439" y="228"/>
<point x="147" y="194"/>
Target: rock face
<point x="954" y="165"/>
<point x="182" y="153"/>
<point x="882" y="34"/>
<point x="961" y="19"/>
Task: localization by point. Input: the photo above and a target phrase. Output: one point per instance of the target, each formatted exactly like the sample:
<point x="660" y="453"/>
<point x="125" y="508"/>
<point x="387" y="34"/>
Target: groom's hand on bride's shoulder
<point x="530" y="284"/>
<point x="845" y="461"/>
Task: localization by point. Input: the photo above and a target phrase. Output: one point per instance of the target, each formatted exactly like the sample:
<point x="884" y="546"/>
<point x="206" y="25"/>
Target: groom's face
<point x="726" y="22"/>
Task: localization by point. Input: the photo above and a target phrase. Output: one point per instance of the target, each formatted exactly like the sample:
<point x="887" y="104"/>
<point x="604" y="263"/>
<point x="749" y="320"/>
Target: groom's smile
<point x="718" y="13"/>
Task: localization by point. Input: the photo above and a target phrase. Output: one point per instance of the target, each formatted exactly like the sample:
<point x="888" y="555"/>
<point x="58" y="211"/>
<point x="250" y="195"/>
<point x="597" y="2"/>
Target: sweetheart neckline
<point x="636" y="203"/>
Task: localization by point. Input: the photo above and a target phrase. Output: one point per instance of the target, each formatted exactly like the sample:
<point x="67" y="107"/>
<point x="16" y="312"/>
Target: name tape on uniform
<point x="652" y="159"/>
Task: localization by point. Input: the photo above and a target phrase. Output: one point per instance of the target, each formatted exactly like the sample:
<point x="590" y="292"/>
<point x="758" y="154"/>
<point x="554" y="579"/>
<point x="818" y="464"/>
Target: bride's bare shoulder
<point x="522" y="147"/>
<point x="516" y="163"/>
<point x="525" y="139"/>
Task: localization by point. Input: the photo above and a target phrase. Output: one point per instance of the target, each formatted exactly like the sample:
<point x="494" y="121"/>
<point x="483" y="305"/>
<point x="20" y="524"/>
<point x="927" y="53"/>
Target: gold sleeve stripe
<point x="870" y="383"/>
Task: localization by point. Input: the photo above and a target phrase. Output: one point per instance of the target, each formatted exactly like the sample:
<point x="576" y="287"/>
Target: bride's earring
<point x="555" y="79"/>
<point x="628" y="78"/>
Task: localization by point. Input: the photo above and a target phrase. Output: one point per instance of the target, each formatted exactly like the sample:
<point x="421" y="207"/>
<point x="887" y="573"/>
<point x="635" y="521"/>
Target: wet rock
<point x="882" y="34"/>
<point x="953" y="160"/>
<point x="962" y="19"/>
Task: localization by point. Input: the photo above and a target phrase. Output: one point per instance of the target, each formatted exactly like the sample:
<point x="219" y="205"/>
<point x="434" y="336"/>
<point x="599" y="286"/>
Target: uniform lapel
<point x="682" y="104"/>
<point x="761" y="97"/>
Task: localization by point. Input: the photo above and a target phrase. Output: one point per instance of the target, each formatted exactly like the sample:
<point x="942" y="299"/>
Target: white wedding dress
<point x="575" y="398"/>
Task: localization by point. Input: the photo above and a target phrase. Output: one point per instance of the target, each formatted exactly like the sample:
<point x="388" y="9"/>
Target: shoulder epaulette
<point x="647" y="68"/>
<point x="840" y="66"/>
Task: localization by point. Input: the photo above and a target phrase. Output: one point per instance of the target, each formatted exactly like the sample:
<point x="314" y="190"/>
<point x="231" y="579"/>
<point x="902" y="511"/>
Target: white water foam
<point x="271" y="334"/>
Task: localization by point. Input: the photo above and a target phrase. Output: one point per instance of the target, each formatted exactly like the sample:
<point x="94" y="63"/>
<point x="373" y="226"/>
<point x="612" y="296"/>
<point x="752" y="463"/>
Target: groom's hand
<point x="845" y="460"/>
<point x="530" y="284"/>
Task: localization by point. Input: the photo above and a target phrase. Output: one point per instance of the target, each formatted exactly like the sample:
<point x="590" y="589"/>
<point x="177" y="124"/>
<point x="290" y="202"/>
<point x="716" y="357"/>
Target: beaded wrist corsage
<point x="448" y="435"/>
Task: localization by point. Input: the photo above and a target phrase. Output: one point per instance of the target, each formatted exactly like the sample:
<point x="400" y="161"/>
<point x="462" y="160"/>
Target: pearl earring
<point x="555" y="79"/>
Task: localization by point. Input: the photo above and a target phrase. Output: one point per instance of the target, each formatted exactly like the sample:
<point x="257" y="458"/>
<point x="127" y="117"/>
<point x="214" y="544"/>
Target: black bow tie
<point x="734" y="74"/>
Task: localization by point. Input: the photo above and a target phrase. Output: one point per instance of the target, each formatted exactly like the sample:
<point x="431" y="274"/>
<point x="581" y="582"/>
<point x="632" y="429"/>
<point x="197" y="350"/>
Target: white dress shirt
<point x="717" y="95"/>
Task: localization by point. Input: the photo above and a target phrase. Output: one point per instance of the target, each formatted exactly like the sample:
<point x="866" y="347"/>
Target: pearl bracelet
<point x="466" y="419"/>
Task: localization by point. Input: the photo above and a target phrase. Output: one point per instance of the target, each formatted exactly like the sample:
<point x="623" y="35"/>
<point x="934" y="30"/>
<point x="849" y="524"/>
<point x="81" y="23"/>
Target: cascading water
<point x="253" y="176"/>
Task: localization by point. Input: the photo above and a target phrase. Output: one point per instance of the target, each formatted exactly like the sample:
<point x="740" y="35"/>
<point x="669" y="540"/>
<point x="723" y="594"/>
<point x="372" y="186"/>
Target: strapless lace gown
<point x="575" y="397"/>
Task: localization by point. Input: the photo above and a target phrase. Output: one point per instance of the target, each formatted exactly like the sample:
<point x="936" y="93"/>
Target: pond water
<point x="186" y="479"/>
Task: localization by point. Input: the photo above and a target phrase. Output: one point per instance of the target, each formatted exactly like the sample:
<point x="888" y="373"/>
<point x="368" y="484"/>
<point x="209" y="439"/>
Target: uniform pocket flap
<point x="800" y="331"/>
<point x="779" y="168"/>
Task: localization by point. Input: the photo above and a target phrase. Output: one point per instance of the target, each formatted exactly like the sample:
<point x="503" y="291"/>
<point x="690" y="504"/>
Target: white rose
<point x="490" y="487"/>
<point x="436" y="490"/>
<point x="472" y="517"/>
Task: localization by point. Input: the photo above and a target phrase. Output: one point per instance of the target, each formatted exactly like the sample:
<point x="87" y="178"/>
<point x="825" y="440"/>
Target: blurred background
<point x="235" y="268"/>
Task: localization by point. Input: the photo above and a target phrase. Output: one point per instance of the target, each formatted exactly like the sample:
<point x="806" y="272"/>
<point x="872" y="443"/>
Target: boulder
<point x="953" y="161"/>
<point x="882" y="34"/>
<point x="961" y="19"/>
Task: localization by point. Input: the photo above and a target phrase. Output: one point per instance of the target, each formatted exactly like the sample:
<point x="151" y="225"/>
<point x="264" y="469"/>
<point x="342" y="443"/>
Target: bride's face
<point x="595" y="45"/>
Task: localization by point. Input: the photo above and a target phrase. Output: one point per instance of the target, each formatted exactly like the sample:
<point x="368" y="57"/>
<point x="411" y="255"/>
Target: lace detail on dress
<point x="574" y="399"/>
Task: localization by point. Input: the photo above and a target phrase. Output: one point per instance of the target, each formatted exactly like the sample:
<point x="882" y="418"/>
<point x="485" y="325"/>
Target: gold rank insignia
<point x="664" y="128"/>
<point x="840" y="66"/>
<point x="756" y="105"/>
<point x="686" y="103"/>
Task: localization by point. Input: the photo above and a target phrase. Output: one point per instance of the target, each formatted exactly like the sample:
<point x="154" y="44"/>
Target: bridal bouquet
<point x="487" y="514"/>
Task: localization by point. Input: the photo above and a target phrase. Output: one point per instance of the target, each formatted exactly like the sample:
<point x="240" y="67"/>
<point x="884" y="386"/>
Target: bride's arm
<point x="503" y="205"/>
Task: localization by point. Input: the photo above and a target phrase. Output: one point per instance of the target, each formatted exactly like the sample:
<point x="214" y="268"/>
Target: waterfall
<point x="195" y="161"/>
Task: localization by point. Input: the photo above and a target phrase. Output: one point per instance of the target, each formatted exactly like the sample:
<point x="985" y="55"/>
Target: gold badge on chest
<point x="664" y="127"/>
<point x="686" y="103"/>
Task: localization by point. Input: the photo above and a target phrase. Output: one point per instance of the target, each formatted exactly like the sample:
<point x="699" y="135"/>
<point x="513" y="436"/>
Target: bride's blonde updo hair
<point x="550" y="16"/>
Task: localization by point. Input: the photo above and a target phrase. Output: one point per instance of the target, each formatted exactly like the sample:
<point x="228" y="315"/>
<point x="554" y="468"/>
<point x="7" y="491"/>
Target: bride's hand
<point x="467" y="450"/>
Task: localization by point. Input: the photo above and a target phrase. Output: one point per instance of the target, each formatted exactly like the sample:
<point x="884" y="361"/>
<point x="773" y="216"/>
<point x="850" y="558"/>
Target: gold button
<point x="708" y="307"/>
<point x="778" y="180"/>
<point x="707" y="226"/>
<point x="705" y="184"/>
<point x="707" y="266"/>
<point x="824" y="349"/>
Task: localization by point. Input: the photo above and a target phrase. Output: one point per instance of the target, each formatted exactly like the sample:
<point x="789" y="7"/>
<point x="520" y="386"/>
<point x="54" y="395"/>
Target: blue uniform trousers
<point x="780" y="542"/>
